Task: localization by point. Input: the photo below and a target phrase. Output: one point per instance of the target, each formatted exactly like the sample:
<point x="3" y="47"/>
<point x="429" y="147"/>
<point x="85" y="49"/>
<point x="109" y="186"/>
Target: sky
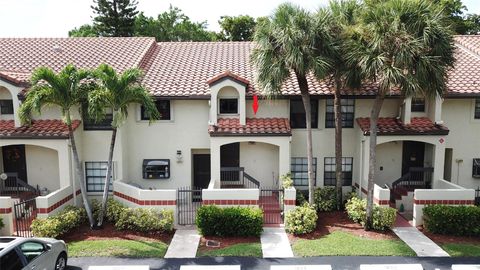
<point x="54" y="18"/>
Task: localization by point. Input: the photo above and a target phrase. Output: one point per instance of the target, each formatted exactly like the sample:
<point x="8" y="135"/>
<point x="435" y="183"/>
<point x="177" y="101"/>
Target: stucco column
<point x="284" y="157"/>
<point x="438" y="160"/>
<point x="64" y="165"/>
<point x="215" y="161"/>
<point x="407" y="111"/>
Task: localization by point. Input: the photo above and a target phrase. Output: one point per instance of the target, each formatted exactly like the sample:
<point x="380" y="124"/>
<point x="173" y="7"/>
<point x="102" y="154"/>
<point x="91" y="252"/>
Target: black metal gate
<point x="271" y="202"/>
<point x="188" y="201"/>
<point x="25" y="212"/>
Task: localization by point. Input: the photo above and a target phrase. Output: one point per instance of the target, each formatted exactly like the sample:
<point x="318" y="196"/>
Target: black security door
<point x="14" y="160"/>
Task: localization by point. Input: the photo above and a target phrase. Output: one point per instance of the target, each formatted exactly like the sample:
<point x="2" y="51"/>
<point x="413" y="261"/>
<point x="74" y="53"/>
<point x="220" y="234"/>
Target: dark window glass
<point x="477" y="108"/>
<point x="11" y="261"/>
<point x="418" y="105"/>
<point x="348" y="113"/>
<point x="329" y="171"/>
<point x="299" y="169"/>
<point x="95" y="173"/>
<point x="476" y="168"/>
<point x="228" y="105"/>
<point x="297" y="114"/>
<point x="6" y="106"/>
<point x="105" y="124"/>
<point x="163" y="107"/>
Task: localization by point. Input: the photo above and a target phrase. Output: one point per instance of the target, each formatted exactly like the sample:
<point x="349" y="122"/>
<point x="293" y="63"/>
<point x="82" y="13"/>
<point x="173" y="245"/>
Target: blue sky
<point x="53" y="18"/>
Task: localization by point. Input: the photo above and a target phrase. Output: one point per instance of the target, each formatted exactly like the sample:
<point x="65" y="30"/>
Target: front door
<point x="413" y="155"/>
<point x="14" y="160"/>
<point x="201" y="170"/>
<point x="230" y="155"/>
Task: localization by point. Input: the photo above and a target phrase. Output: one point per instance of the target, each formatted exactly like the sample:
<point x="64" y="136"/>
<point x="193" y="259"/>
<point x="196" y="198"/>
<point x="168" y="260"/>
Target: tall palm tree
<point x="117" y="92"/>
<point x="292" y="40"/>
<point x="405" y="45"/>
<point x="344" y="74"/>
<point x="66" y="90"/>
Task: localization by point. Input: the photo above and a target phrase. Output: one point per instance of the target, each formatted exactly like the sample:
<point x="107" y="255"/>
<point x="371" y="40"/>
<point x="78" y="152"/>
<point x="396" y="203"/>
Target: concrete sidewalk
<point x="275" y="243"/>
<point x="416" y="240"/>
<point x="184" y="244"/>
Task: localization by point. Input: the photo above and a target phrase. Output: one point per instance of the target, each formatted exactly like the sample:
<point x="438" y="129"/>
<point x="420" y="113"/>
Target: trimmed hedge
<point x="383" y="217"/>
<point x="212" y="220"/>
<point x="325" y="199"/>
<point x="59" y="224"/>
<point x="145" y="220"/>
<point x="301" y="220"/>
<point x="454" y="220"/>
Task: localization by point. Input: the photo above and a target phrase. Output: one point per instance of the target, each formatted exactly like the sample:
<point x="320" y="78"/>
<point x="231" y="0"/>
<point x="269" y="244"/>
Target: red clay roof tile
<point x="393" y="126"/>
<point x="51" y="129"/>
<point x="253" y="127"/>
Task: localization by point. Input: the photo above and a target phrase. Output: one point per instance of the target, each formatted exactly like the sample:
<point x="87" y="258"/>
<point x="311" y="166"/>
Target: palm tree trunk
<point x="303" y="85"/>
<point x="377" y="106"/>
<point x="107" y="178"/>
<point x="338" y="143"/>
<point x="78" y="172"/>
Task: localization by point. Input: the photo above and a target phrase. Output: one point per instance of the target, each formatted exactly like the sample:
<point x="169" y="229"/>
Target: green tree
<point x="405" y="45"/>
<point x="292" y="40"/>
<point x="117" y="92"/>
<point x="172" y="25"/>
<point x="66" y="90"/>
<point x="115" y="18"/>
<point x="454" y="10"/>
<point x="85" y="30"/>
<point x="472" y="24"/>
<point x="344" y="15"/>
<point x="237" y="28"/>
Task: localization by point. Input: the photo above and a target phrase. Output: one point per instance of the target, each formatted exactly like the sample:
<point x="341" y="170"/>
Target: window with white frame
<point x="104" y="124"/>
<point x="476" y="168"/>
<point x="477" y="108"/>
<point x="163" y="107"/>
<point x="299" y="170"/>
<point x="6" y="106"/>
<point x="228" y="106"/>
<point x="329" y="171"/>
<point x="418" y="105"/>
<point x="95" y="173"/>
<point x="348" y="113"/>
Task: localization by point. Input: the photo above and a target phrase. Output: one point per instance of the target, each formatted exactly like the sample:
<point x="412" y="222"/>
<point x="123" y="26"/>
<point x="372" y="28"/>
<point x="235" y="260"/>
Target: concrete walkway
<point x="275" y="243"/>
<point x="184" y="244"/>
<point x="416" y="240"/>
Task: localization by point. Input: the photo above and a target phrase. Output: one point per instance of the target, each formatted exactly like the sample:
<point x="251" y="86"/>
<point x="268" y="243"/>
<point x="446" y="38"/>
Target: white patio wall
<point x="141" y="198"/>
<point x="54" y="202"/>
<point x="381" y="196"/>
<point x="231" y="197"/>
<point x="445" y="193"/>
<point x="6" y="214"/>
<point x="289" y="200"/>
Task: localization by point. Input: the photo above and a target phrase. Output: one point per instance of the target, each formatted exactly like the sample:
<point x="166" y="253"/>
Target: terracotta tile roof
<point x="48" y="129"/>
<point x="227" y="74"/>
<point x="253" y="127"/>
<point x="393" y="126"/>
<point x="464" y="79"/>
<point x="20" y="56"/>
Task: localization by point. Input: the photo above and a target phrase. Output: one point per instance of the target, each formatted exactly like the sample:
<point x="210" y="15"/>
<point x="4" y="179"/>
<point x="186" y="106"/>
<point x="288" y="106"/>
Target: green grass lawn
<point x="116" y="248"/>
<point x="345" y="244"/>
<point x="241" y="250"/>
<point x="462" y="250"/>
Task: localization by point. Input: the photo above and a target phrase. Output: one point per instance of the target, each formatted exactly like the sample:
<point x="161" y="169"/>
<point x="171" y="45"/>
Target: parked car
<point x="18" y="253"/>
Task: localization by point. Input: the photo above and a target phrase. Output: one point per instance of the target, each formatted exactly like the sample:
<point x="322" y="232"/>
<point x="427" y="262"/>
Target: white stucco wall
<point x="457" y="115"/>
<point x="389" y="157"/>
<point x="260" y="160"/>
<point x="42" y="167"/>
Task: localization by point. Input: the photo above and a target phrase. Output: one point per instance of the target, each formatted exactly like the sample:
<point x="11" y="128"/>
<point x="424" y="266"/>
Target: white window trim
<point x="228" y="114"/>
<point x="321" y="108"/>
<point x="472" y="112"/>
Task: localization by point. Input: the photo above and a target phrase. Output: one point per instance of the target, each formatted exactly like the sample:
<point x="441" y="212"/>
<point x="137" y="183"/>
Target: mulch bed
<point x="225" y="242"/>
<point x="109" y="232"/>
<point x="450" y="239"/>
<point x="329" y="222"/>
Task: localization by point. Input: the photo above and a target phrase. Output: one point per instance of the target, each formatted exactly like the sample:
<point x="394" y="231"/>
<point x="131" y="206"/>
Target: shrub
<point x="144" y="220"/>
<point x="59" y="224"/>
<point x="114" y="210"/>
<point x="300" y="198"/>
<point x="325" y="199"/>
<point x="455" y="220"/>
<point x="383" y="217"/>
<point x="212" y="220"/>
<point x="287" y="181"/>
<point x="301" y="220"/>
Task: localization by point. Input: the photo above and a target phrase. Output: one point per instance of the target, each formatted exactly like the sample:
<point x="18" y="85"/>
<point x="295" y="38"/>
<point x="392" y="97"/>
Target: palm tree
<point x="117" y="92"/>
<point x="344" y="75"/>
<point x="404" y="45"/>
<point x="66" y="90"/>
<point x="292" y="40"/>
